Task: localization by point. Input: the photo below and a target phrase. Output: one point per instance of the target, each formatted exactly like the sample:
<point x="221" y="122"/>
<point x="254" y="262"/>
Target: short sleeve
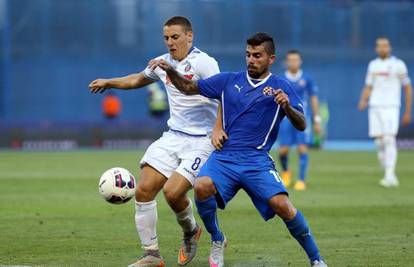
<point x="213" y="87"/>
<point x="403" y="73"/>
<point x="294" y="99"/>
<point x="151" y="74"/>
<point x="207" y="67"/>
<point x="369" y="78"/>
<point x="313" y="90"/>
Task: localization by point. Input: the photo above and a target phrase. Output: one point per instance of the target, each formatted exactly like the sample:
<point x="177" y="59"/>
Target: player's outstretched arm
<point x="132" y="81"/>
<point x="184" y="85"/>
<point x="296" y="117"/>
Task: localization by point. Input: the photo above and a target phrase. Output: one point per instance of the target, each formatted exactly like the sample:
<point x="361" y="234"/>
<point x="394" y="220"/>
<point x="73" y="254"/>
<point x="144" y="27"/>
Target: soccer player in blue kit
<point x="253" y="105"/>
<point x="289" y="135"/>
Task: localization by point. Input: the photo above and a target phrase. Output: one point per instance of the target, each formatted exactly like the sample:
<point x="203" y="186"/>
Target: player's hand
<point x="164" y="65"/>
<point x="218" y="137"/>
<point x="281" y="98"/>
<point x="98" y="86"/>
<point x="406" y="119"/>
<point x="362" y="105"/>
<point x="317" y="128"/>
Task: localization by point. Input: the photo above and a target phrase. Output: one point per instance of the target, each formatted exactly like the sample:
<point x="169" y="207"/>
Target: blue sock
<point x="303" y="165"/>
<point x="298" y="228"/>
<point x="284" y="161"/>
<point x="208" y="213"/>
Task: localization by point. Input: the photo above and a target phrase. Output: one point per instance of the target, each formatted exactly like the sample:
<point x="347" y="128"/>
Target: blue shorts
<point x="251" y="170"/>
<point x="289" y="135"/>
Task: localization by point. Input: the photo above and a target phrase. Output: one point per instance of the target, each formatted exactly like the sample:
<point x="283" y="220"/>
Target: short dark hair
<point x="293" y="52"/>
<point x="179" y="20"/>
<point x="262" y="38"/>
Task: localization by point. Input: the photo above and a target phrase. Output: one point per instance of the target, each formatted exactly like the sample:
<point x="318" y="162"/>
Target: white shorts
<point x="175" y="151"/>
<point x="383" y="121"/>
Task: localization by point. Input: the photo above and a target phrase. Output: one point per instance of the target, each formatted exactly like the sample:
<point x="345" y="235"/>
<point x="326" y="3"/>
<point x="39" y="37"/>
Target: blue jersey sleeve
<point x="312" y="88"/>
<point x="294" y="99"/>
<point x="213" y="86"/>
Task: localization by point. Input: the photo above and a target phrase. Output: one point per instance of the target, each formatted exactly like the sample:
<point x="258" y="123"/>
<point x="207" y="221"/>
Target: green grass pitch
<point x="52" y="215"/>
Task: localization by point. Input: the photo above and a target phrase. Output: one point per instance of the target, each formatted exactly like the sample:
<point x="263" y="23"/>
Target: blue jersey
<point x="303" y="85"/>
<point x="251" y="117"/>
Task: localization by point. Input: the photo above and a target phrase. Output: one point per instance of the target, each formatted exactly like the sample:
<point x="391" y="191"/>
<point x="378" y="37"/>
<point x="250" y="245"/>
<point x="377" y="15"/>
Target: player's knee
<point x="145" y="192"/>
<point x="379" y="142"/>
<point x="282" y="206"/>
<point x="389" y="140"/>
<point x="204" y="188"/>
<point x="284" y="150"/>
<point x="302" y="149"/>
<point x="172" y="195"/>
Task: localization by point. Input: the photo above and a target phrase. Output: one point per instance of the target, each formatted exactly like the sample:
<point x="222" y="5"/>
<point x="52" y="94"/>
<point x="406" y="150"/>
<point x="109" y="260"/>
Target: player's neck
<point x="385" y="57"/>
<point x="191" y="48"/>
<point x="261" y="77"/>
<point x="294" y="72"/>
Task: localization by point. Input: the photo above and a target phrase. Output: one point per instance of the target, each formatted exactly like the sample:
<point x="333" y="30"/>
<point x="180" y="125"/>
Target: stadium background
<point x="51" y="50"/>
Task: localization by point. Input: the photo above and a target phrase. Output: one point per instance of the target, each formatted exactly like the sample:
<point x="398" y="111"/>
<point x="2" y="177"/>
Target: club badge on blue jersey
<point x="269" y="91"/>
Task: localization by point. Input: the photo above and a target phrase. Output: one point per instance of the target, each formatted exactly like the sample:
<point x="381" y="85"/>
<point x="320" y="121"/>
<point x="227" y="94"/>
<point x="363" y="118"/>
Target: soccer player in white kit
<point x="172" y="162"/>
<point x="382" y="93"/>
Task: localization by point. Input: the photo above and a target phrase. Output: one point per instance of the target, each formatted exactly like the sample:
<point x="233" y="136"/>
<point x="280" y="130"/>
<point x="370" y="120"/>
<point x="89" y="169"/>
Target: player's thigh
<point x="375" y="124"/>
<point x="149" y="184"/>
<point x="261" y="186"/>
<point x="390" y="118"/>
<point x="162" y="154"/>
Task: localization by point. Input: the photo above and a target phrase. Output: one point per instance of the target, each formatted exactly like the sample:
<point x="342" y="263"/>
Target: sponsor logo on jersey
<point x="238" y="87"/>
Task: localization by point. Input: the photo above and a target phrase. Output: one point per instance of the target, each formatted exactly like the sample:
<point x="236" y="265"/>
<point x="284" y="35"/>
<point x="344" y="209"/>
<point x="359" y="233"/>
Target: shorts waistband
<point x="187" y="134"/>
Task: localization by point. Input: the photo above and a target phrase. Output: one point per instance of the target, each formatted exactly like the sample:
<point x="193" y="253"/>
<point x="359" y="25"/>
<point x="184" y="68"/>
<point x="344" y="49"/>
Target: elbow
<point x="301" y="126"/>
<point x="187" y="92"/>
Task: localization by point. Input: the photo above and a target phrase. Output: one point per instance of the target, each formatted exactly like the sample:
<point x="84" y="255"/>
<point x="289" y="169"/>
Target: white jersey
<point x="191" y="114"/>
<point x="386" y="76"/>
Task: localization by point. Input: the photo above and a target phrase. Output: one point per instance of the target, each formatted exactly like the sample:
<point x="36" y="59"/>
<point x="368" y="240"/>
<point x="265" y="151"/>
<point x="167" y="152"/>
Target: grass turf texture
<point x="52" y="215"/>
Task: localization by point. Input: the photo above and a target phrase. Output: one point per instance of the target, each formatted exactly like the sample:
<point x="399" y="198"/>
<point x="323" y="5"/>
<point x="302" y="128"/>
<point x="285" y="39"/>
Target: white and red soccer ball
<point x="117" y="185"/>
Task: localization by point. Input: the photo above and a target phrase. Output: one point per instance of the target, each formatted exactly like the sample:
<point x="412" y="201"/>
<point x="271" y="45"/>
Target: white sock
<point x="390" y="156"/>
<point x="146" y="221"/>
<point x="186" y="218"/>
<point x="380" y="150"/>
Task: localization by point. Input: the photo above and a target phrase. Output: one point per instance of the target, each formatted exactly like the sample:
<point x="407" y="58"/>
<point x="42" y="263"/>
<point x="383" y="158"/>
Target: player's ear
<point x="190" y="36"/>
<point x="272" y="59"/>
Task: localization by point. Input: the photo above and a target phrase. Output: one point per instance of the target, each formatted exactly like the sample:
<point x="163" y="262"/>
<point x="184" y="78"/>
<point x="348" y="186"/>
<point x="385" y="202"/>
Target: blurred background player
<point x="289" y="135"/>
<point x="382" y="93"/>
<point x="172" y="162"/>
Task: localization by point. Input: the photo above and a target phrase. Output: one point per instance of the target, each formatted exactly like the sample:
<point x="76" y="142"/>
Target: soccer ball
<point x="117" y="185"/>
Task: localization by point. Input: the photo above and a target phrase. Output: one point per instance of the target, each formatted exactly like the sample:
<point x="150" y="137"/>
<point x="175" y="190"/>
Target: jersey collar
<point x="294" y="76"/>
<point x="255" y="85"/>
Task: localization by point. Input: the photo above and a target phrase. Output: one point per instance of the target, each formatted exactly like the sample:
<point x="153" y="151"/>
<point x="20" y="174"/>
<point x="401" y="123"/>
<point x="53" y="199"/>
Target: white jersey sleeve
<point x="369" y="78"/>
<point x="403" y="73"/>
<point x="206" y="66"/>
<point x="153" y="74"/>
